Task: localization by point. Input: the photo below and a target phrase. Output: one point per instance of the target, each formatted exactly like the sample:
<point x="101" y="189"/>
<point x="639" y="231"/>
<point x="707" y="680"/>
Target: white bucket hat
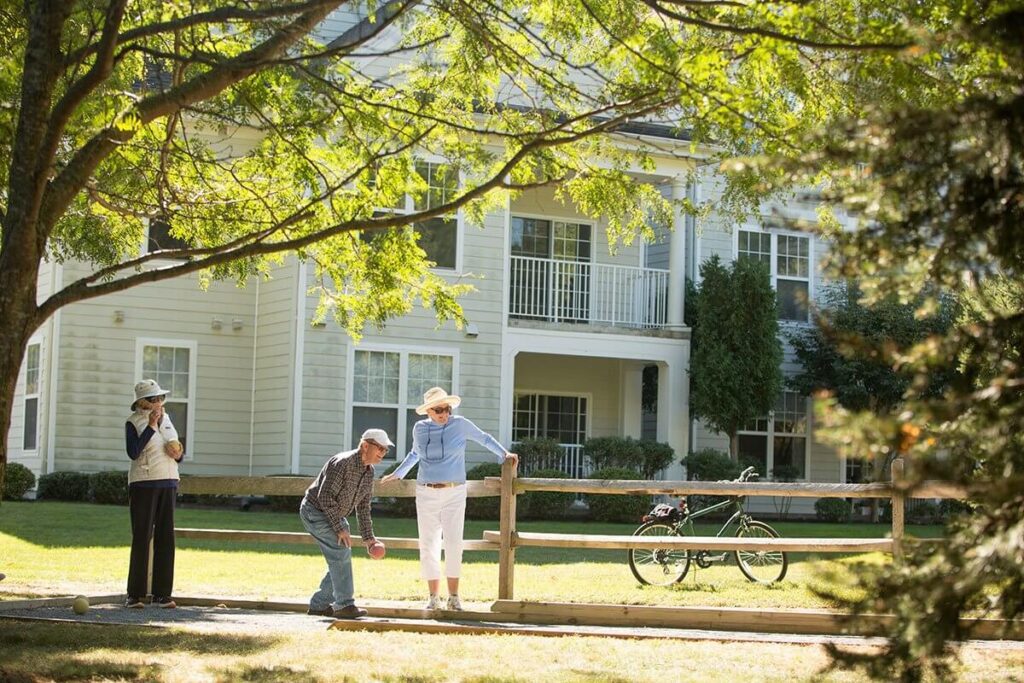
<point x="436" y="396"/>
<point x="147" y="388"/>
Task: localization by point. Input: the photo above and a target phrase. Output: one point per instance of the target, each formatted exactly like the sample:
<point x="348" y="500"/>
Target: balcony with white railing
<point x="586" y="293"/>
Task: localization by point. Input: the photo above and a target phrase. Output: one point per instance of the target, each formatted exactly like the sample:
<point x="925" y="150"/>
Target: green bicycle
<point x="665" y="566"/>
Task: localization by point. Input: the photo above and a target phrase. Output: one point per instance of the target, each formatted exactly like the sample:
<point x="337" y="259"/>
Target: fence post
<point x="507" y="551"/>
<point x="898" y="502"/>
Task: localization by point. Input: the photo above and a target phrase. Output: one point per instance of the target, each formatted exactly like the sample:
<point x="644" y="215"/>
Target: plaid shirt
<point x="343" y="485"/>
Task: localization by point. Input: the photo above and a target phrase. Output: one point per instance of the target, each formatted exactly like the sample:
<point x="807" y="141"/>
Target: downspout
<point x="297" y="370"/>
<point x="53" y="361"/>
<point x="252" y="395"/>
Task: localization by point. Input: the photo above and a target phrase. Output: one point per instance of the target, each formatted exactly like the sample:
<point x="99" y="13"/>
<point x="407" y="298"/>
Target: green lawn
<point x="60" y="548"/>
<point x="63" y="548"/>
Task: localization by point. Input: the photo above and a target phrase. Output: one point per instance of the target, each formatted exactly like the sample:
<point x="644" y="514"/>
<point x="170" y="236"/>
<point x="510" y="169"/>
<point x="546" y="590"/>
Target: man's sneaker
<point x="349" y="612"/>
<point x="454" y="604"/>
<point x="133" y="603"/>
<point x="165" y="603"/>
<point x="321" y="612"/>
<point x="433" y="603"/>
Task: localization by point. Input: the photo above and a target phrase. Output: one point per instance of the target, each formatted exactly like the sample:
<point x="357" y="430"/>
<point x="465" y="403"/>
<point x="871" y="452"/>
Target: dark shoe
<point x="349" y="612"/>
<point x="321" y="612"/>
<point x="165" y="603"/>
<point x="133" y="603"/>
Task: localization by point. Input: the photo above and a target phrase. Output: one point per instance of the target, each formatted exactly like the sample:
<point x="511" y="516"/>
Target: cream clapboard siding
<point x="275" y="378"/>
<point x="326" y="400"/>
<point x="97" y="371"/>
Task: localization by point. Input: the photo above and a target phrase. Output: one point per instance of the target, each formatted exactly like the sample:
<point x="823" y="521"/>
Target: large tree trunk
<point x="17" y="311"/>
<point x="19" y="318"/>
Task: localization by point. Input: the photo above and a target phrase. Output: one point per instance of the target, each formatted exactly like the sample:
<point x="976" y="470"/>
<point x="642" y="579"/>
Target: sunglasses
<point x="441" y="410"/>
<point x="155" y="399"/>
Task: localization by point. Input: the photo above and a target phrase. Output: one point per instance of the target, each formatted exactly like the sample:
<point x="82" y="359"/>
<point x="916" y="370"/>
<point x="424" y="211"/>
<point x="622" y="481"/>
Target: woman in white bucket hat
<point x="439" y="446"/>
<point x="155" y="451"/>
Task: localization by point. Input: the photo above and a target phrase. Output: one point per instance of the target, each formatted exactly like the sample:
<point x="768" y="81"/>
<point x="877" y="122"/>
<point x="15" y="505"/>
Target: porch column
<point x="631" y="381"/>
<point x="677" y="257"/>
<point x="506" y="395"/>
<point x="674" y="407"/>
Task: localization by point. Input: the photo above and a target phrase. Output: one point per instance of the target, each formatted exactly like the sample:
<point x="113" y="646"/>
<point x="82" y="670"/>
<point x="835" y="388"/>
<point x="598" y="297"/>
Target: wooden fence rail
<point x="506" y="539"/>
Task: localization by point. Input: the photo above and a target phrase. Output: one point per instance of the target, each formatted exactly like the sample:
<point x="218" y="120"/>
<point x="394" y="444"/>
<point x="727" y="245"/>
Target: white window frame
<point x="409" y="207"/>
<point x="588" y="397"/>
<point x="29" y="396"/>
<point x="193" y="357"/>
<point x="770" y="435"/>
<point x="556" y="219"/>
<point x="403" y="386"/>
<point x="773" y="261"/>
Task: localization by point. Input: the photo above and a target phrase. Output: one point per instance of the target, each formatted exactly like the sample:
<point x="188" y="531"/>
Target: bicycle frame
<point x="739" y="517"/>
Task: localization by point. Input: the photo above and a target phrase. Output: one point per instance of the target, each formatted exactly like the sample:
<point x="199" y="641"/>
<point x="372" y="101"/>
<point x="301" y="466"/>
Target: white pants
<point x="440" y="517"/>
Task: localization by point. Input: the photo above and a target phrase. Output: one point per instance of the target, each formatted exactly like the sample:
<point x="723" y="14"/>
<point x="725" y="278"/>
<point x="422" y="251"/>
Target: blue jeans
<point x="336" y="587"/>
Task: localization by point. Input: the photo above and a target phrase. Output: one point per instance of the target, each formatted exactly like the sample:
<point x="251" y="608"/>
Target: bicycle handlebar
<point x="747" y="474"/>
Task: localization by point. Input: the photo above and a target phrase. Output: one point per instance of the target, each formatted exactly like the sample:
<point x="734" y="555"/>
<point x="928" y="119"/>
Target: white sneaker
<point x="454" y="604"/>
<point x="433" y="603"/>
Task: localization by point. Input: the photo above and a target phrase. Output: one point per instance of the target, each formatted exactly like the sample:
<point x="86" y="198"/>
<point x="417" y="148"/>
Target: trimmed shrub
<point x="617" y="508"/>
<point x="72" y="486"/>
<point x="835" y="510"/>
<point x="109" y="488"/>
<point x="950" y="508"/>
<point x="656" y="456"/>
<point x="538" y="454"/>
<point x="483" y="508"/>
<point x="709" y="464"/>
<point x="18" y="481"/>
<point x="615" y="451"/>
<point x="401" y="507"/>
<point x="544" y="504"/>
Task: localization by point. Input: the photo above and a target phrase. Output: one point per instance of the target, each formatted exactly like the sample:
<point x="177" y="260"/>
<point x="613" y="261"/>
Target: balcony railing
<point x="588" y="293"/>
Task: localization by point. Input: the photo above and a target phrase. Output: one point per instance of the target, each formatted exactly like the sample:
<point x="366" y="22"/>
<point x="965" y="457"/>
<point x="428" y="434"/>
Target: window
<point x="776" y="445"/>
<point x="857" y="471"/>
<point x="790" y="268"/>
<point x="438" y="236"/>
<point x="30" y="441"/>
<point x="160" y="238"/>
<point x="550" y="276"/>
<point x="172" y="365"/>
<point x="387" y="386"/>
<point x="562" y="418"/>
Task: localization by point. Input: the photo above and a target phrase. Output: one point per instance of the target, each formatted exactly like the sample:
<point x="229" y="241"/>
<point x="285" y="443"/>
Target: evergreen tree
<point x="736" y="366"/>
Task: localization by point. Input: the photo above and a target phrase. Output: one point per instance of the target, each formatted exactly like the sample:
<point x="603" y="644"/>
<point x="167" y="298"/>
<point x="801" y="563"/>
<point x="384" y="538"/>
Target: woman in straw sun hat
<point x="439" y="446"/>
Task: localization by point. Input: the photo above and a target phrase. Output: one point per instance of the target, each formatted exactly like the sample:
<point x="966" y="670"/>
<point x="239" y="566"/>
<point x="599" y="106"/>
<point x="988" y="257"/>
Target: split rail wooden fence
<point x="506" y="539"/>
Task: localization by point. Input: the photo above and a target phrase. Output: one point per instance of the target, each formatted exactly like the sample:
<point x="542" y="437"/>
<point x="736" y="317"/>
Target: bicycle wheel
<point x="762" y="566"/>
<point x="660" y="567"/>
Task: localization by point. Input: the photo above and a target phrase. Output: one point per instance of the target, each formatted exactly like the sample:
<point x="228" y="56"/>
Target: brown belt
<point x="442" y="484"/>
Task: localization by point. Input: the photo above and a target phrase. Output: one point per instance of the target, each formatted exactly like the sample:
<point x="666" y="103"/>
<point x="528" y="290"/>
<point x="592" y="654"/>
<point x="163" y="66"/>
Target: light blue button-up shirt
<point x="441" y="450"/>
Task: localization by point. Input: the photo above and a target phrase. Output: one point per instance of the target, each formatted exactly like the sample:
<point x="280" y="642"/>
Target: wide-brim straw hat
<point x="147" y="388"/>
<point x="437" y="396"/>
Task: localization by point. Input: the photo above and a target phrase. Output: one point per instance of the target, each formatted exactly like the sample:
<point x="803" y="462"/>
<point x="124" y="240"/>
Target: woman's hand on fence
<point x="388" y="477"/>
<point x="514" y="457"/>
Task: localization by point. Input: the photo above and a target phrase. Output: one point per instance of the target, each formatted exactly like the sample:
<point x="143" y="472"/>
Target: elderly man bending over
<point x="344" y="484"/>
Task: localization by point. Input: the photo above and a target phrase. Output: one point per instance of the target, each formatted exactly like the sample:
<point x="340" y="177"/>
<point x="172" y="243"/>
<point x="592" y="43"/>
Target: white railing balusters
<point x="592" y="293"/>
